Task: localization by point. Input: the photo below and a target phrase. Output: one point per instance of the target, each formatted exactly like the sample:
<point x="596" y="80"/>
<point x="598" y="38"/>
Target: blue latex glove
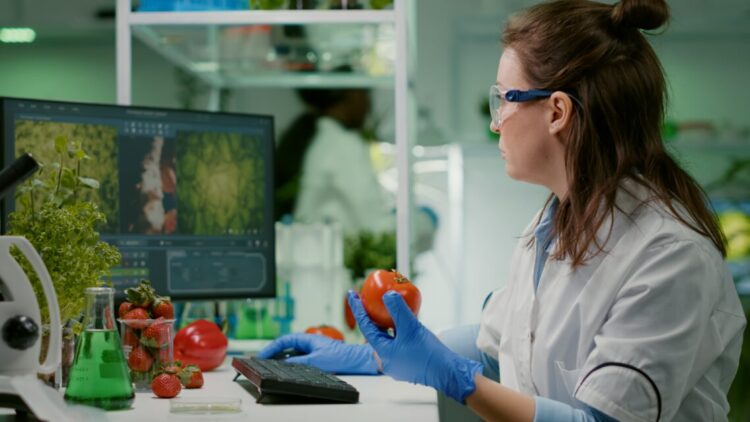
<point x="325" y="353"/>
<point x="415" y="354"/>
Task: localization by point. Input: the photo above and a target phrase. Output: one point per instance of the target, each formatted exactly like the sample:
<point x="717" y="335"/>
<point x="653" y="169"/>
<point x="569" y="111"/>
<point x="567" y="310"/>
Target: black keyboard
<point x="277" y="381"/>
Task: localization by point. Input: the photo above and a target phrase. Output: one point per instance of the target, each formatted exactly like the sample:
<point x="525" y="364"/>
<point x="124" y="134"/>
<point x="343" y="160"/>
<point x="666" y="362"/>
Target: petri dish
<point x="205" y="405"/>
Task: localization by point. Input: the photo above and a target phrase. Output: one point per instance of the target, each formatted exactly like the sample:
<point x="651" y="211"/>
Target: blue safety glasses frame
<point x="498" y="97"/>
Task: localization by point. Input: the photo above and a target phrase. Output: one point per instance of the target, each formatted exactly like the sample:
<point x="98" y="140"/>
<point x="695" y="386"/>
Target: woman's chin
<point x="517" y="176"/>
<point x="510" y="171"/>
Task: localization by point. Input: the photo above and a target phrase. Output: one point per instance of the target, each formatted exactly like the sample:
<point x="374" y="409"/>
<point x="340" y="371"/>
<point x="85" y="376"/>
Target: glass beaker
<point x="255" y="320"/>
<point x="148" y="346"/>
<point x="99" y="376"/>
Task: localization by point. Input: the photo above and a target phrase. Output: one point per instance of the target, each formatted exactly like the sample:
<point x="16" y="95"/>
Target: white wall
<point x="458" y="50"/>
<point x="708" y="78"/>
<point x="81" y="70"/>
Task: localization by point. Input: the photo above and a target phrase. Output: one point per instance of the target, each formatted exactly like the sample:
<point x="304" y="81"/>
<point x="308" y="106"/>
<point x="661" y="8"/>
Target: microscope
<point x="20" y="321"/>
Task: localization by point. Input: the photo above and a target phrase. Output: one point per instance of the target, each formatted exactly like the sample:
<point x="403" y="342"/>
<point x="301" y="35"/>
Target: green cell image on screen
<point x="220" y="183"/>
<point x="99" y="142"/>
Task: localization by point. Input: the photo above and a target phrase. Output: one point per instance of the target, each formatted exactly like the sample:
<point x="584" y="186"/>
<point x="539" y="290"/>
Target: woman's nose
<point x="495" y="127"/>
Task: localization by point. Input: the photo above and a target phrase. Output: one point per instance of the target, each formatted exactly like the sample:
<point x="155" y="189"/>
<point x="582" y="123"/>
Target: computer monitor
<point x="188" y="195"/>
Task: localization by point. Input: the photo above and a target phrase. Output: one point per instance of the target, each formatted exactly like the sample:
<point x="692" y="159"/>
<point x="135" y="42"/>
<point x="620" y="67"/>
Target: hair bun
<point x="643" y="14"/>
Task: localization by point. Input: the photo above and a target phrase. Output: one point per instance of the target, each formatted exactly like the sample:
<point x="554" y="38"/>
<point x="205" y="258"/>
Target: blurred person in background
<point x="323" y="168"/>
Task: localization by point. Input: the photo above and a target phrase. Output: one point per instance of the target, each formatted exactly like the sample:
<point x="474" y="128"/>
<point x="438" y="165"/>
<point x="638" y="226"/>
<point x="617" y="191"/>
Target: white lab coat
<point x="650" y="330"/>
<point x="339" y="183"/>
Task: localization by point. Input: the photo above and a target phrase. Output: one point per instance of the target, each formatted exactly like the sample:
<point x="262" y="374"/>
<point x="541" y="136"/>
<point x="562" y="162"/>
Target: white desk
<point x="380" y="399"/>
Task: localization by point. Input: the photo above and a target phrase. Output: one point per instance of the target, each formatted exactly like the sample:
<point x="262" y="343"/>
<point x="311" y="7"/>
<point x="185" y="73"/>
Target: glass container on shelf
<point x="190" y="5"/>
<point x="320" y="4"/>
<point x="364" y="48"/>
<point x="245" y="49"/>
<point x="255" y="320"/>
<point x="195" y="310"/>
<point x="345" y="4"/>
<point x="246" y="55"/>
<point x="293" y="51"/>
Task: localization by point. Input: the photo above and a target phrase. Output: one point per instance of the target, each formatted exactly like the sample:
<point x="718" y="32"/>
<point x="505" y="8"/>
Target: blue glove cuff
<point x="461" y="383"/>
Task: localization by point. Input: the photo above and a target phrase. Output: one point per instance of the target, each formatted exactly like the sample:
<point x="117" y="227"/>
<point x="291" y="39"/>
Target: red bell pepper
<point x="200" y="343"/>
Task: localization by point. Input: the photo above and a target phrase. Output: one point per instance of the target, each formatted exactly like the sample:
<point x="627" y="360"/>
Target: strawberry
<point x="124" y="308"/>
<point x="139" y="360"/>
<point x="163" y="308"/>
<point x="156" y="335"/>
<point x="130" y="338"/>
<point x="135" y="318"/>
<point x="173" y="368"/>
<point x="166" y="385"/>
<point x="191" y="377"/>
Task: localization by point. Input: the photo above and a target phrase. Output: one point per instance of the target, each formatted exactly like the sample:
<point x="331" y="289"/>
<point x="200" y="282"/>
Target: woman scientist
<point x="618" y="305"/>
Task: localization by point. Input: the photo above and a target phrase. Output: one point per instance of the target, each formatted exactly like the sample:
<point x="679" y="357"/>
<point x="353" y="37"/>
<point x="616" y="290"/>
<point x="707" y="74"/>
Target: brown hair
<point x="597" y="52"/>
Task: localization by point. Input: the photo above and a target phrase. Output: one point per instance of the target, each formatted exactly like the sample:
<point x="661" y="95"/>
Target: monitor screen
<point x="188" y="195"/>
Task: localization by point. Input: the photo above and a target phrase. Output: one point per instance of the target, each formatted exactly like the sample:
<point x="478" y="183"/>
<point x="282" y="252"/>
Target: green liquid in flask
<point x="99" y="375"/>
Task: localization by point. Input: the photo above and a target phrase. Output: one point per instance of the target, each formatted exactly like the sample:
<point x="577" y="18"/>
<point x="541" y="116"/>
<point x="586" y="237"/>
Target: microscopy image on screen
<point x="221" y="183"/>
<point x="149" y="186"/>
<point x="99" y="142"/>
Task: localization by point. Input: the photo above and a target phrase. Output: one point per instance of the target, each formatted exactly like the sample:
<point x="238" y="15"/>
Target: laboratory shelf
<point x="271" y="17"/>
<point x="239" y="56"/>
<point x="301" y="80"/>
<point x="207" y="62"/>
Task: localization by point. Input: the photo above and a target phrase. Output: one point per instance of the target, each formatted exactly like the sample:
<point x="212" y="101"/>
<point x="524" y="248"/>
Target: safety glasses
<point x="499" y="97"/>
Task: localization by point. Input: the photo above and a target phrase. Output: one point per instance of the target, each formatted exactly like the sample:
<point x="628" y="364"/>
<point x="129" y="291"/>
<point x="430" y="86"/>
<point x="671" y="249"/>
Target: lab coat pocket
<point x="568" y="378"/>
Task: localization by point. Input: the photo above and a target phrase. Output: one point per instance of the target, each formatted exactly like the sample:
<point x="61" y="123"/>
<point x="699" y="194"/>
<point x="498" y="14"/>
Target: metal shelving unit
<point x="145" y="25"/>
<point x="245" y="56"/>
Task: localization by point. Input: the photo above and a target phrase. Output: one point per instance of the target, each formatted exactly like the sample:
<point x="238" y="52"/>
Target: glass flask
<point x="99" y="375"/>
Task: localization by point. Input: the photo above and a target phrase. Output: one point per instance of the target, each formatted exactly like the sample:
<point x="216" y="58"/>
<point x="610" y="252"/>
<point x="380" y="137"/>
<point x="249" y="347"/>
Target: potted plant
<point x="365" y="251"/>
<point x="53" y="214"/>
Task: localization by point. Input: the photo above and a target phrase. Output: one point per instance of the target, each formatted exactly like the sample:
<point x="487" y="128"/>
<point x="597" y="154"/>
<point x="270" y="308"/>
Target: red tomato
<point x="381" y="281"/>
<point x="200" y="343"/>
<point x="326" y="330"/>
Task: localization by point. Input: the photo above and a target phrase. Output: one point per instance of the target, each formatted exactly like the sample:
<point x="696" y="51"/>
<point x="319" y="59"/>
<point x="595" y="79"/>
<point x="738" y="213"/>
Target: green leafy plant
<point x="368" y="250"/>
<point x="62" y="228"/>
<point x="267" y="4"/>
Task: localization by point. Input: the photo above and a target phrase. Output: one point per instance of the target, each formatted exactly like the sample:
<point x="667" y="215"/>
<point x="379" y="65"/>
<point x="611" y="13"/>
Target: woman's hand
<point x="327" y="354"/>
<point x="414" y="354"/>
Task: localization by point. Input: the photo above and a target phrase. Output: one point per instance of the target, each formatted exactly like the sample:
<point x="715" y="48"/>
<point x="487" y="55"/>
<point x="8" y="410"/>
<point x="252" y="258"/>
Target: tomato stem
<point x="399" y="277"/>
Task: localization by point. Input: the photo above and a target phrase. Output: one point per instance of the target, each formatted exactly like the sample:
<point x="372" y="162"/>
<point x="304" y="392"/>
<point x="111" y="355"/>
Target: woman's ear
<point x="561" y="112"/>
